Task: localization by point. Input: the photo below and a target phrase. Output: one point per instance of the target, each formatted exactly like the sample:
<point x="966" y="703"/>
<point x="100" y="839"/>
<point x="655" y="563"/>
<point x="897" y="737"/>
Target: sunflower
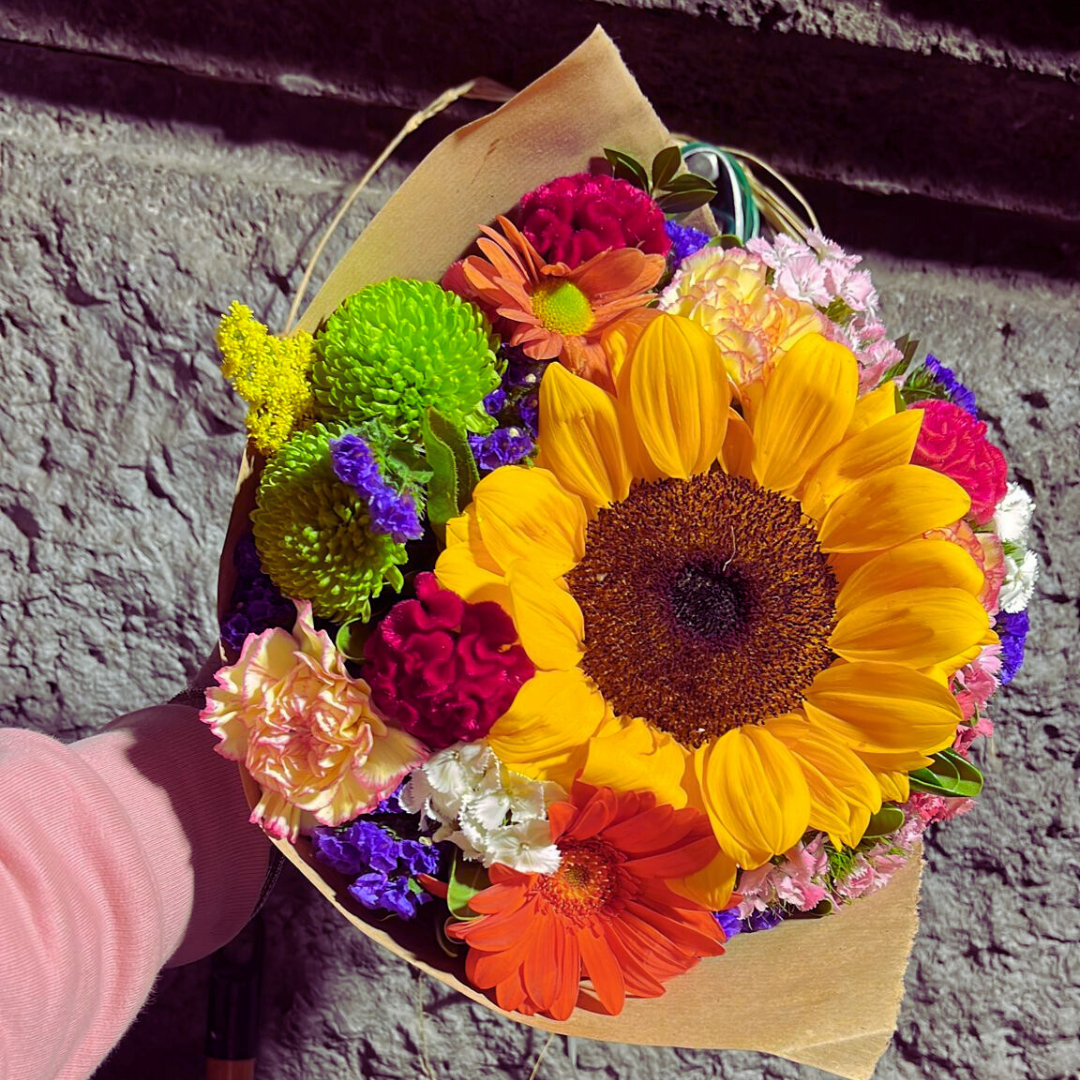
<point x="739" y="615"/>
<point x="553" y="311"/>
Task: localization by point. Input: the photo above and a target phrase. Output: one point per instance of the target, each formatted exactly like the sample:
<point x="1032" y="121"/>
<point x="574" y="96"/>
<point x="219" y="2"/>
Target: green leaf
<point x="665" y="165"/>
<point x="674" y="205"/>
<point x="690" y="182"/>
<point x="454" y="473"/>
<point x="627" y="168"/>
<point x="839" y="312"/>
<point x="885" y="822"/>
<point x="466" y="880"/>
<point x="727" y="241"/>
<point x="350" y="638"/>
<point x="949" y="775"/>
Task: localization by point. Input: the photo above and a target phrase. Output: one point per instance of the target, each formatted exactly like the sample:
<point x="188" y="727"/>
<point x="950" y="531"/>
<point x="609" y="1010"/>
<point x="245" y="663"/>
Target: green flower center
<point x="562" y="308"/>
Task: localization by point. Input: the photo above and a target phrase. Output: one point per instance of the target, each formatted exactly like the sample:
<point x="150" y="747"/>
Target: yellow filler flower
<point x="744" y="619"/>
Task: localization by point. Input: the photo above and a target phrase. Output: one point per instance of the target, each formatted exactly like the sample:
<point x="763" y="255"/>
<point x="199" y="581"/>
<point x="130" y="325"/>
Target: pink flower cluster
<point x="820" y="272"/>
<point x="954" y="443"/>
<point x="571" y="219"/>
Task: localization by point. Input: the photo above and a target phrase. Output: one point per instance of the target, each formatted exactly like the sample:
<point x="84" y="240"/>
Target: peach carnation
<point x="726" y="293"/>
<point x="305" y="730"/>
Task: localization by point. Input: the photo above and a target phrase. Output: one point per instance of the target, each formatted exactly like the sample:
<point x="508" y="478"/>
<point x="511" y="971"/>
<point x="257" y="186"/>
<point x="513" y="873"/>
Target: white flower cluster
<point x="1012" y="519"/>
<point x="492" y="814"/>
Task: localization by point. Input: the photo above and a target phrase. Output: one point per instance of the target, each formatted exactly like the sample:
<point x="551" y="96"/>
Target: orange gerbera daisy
<point x="552" y="311"/>
<point x="606" y="914"/>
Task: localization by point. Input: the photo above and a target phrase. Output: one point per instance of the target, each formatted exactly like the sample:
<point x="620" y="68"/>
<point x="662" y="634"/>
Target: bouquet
<point x="604" y="588"/>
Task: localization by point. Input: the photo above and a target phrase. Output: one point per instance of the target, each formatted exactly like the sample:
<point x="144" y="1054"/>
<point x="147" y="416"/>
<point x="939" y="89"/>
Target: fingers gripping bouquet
<point x="622" y="590"/>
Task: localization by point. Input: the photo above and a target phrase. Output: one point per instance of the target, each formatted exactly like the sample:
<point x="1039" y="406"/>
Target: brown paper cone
<point x="823" y="992"/>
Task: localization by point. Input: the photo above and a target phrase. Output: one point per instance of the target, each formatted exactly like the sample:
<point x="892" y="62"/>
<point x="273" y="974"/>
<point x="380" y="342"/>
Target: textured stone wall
<point x="156" y="163"/>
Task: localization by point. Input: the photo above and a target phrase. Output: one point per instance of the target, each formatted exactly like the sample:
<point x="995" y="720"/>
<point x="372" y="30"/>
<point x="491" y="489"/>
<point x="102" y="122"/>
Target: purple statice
<point x="729" y="922"/>
<point x="495" y="401"/>
<point x="504" y="446"/>
<point x="763" y="920"/>
<point x="389" y="511"/>
<point x="685" y="240"/>
<point x="1012" y="628"/>
<point x="256" y="603"/>
<point x="383" y="852"/>
<point x="951" y="386"/>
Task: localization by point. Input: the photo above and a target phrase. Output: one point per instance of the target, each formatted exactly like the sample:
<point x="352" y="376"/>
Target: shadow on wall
<point x="1053" y="24"/>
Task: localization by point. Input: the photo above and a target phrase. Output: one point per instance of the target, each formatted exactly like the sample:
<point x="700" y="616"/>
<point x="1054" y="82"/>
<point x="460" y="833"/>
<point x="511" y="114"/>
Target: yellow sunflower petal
<point x="579" y="440"/>
<point x="527" y="514"/>
<point x="807" y="406"/>
<point x="755" y="794"/>
<point x="544" y="733"/>
<point x="710" y="887"/>
<point x="679" y="395"/>
<point x="894" y="785"/>
<point x="909" y="566"/>
<point x="457" y="569"/>
<point x="883" y="709"/>
<point x="637" y="757"/>
<point x="843" y="791"/>
<point x="546" y="617"/>
<point x="914" y="627"/>
<point x="882" y="446"/>
<point x="872" y="408"/>
<point x="737" y="453"/>
<point x="464" y="530"/>
<point x="890" y="507"/>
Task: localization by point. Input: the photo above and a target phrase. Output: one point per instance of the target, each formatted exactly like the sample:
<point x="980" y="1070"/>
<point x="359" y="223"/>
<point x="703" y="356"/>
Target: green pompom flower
<point x="313" y="532"/>
<point x="393" y="350"/>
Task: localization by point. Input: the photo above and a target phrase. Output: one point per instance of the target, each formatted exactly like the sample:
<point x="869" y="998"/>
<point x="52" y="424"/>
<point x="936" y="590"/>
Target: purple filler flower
<point x="504" y="446"/>
<point x="729" y="922"/>
<point x="953" y="388"/>
<point x="256" y="603"/>
<point x="684" y="241"/>
<point x="1012" y="628"/>
<point x="390" y="511"/>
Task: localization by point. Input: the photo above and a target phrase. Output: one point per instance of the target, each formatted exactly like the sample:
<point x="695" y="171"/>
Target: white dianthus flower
<point x="1020" y="578"/>
<point x="1013" y="515"/>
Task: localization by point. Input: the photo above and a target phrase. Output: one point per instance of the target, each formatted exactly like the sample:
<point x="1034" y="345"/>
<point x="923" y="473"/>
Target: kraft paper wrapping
<point x="822" y="992"/>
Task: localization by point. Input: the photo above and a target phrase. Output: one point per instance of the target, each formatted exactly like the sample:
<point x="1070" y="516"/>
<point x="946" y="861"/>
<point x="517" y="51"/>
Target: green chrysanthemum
<point x="313" y="533"/>
<point x="393" y="350"/>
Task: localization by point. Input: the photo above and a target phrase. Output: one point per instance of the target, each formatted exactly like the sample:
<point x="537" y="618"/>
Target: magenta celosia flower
<point x="305" y="730"/>
<point x="954" y="443"/>
<point x="444" y="669"/>
<point x="571" y="219"/>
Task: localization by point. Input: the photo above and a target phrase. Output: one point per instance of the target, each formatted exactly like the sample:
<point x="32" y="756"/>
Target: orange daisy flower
<point x="606" y="914"/>
<point x="552" y="311"/>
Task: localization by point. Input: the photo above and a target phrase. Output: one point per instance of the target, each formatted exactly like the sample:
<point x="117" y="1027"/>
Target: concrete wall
<point x="158" y="161"/>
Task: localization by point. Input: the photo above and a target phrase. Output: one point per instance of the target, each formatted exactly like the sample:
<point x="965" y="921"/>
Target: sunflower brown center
<point x="587" y="878"/>
<point x="708" y="604"/>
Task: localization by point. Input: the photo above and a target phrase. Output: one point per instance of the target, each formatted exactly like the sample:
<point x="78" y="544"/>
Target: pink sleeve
<point x="118" y="855"/>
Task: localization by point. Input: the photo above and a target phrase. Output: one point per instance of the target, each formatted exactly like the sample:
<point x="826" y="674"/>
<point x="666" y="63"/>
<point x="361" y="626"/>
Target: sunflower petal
<point x="543" y="733"/>
<point x="546" y="617"/>
<point x="883" y="709"/>
<point x="914" y="627"/>
<point x="807" y="406"/>
<point x="737" y="453"/>
<point x="909" y="566"/>
<point x="579" y="438"/>
<point x="711" y="886"/>
<point x="755" y="794"/>
<point x="637" y="758"/>
<point x="458" y="570"/>
<point x="882" y="446"/>
<point x="890" y="507"/>
<point x="527" y="514"/>
<point x="872" y="408"/>
<point x="679" y="395"/>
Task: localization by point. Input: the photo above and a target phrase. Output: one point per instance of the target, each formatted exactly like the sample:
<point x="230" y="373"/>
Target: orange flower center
<point x="586" y="881"/>
<point x="562" y="308"/>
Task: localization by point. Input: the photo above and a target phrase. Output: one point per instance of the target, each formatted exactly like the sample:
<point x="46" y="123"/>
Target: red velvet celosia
<point x="571" y="219"/>
<point x="954" y="443"/>
<point x="444" y="669"/>
<point x="606" y="914"/>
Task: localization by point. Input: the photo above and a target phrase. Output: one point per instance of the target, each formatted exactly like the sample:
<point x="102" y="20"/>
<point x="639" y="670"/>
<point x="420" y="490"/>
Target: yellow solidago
<point x="269" y="373"/>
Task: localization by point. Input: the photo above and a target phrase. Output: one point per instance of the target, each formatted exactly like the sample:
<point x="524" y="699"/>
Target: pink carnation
<point x="305" y="730"/>
<point x="444" y="669"/>
<point x="571" y="219"/>
<point x="975" y="683"/>
<point x="954" y="443"/>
